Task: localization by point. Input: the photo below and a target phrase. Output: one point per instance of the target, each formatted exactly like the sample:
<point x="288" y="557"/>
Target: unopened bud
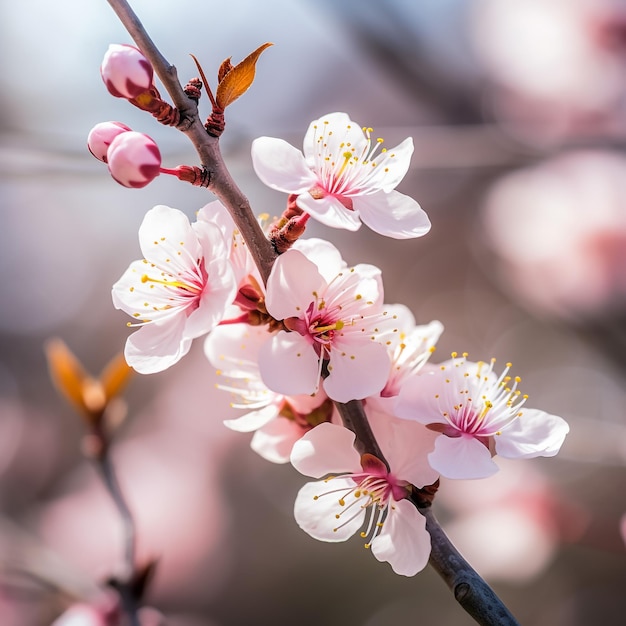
<point x="134" y="159"/>
<point x="125" y="71"/>
<point x="101" y="136"/>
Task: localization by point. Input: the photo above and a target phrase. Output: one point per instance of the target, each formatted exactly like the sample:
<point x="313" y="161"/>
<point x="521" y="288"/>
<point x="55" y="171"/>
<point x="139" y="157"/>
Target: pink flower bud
<point x="101" y="136"/>
<point x="134" y="159"/>
<point x="125" y="71"/>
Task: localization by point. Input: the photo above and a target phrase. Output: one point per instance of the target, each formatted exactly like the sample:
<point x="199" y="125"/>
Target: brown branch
<point x="469" y="589"/>
<point x="221" y="182"/>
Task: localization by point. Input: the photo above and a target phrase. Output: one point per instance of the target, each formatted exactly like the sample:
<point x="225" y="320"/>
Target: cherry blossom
<point x="410" y="346"/>
<point x="344" y="177"/>
<point x="334" y="313"/>
<point x="278" y="420"/>
<point x="478" y="415"/>
<point x="178" y="292"/>
<point x="361" y="493"/>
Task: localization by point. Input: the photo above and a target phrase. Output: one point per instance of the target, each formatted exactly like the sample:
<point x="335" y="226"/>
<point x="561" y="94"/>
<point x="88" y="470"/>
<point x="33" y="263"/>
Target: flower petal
<point x="329" y="135"/>
<point x="327" y="448"/>
<point x="163" y="229"/>
<point x="461" y="457"/>
<point x="253" y="420"/>
<point x="392" y="214"/>
<point x="281" y="166"/>
<point x="357" y="374"/>
<point x="289" y="365"/>
<point x="154" y="348"/>
<point x="407" y="451"/>
<point x="533" y="434"/>
<point x="329" y="211"/>
<point x="326" y="257"/>
<point x="316" y="510"/>
<point x="275" y="440"/>
<point x="404" y="542"/>
<point x="292" y="281"/>
<point x="234" y="349"/>
<point x="417" y="399"/>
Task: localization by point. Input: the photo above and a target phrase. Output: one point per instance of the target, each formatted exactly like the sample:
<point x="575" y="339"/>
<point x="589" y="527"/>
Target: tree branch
<point x="469" y="589"/>
<point x="123" y="586"/>
<point x="221" y="182"/>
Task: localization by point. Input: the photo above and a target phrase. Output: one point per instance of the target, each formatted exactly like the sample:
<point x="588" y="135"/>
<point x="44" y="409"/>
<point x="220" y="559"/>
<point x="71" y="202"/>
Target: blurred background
<point x="518" y="113"/>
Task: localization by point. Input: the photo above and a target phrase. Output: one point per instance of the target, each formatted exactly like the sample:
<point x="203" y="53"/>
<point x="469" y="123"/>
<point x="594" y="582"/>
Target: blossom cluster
<point x="319" y="335"/>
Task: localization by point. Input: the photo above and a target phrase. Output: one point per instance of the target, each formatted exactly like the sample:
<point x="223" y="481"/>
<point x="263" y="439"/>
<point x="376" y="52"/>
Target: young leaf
<point x="238" y="79"/>
<point x="225" y="67"/>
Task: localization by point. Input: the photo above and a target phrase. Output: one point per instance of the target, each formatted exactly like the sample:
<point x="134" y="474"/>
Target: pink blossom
<point x="134" y="159"/>
<point x="558" y="233"/>
<point x="125" y="71"/>
<point x="334" y="314"/>
<point x="178" y="292"/>
<point x="410" y="346"/>
<point x="342" y="179"/>
<point x="477" y="414"/>
<point x="362" y="494"/>
<point x="101" y="136"/>
<point x="278" y="421"/>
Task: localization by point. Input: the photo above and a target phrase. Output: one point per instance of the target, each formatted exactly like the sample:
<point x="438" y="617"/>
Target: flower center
<point x="375" y="491"/>
<point x="474" y="402"/>
<point x="350" y="169"/>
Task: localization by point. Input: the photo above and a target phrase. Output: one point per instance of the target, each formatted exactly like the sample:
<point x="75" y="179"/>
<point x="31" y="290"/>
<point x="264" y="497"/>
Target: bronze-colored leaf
<point x="238" y="80"/>
<point x="115" y="376"/>
<point x="225" y="67"/>
<point x="67" y="374"/>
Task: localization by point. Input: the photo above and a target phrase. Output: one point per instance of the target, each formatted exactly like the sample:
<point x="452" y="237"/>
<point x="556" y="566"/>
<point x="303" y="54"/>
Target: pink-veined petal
<point x="327" y="448"/>
<point x="357" y="374"/>
<point x="461" y="457"/>
<point x="329" y="211"/>
<point x="281" y="166"/>
<point x="288" y="364"/>
<point x="403" y="542"/>
<point x="534" y="433"/>
<point x="392" y="214"/>
<point x="275" y="440"/>
<point x="216" y="297"/>
<point x="316" y="510"/>
<point x="154" y="348"/>
<point x="292" y="281"/>
<point x="253" y="420"/>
